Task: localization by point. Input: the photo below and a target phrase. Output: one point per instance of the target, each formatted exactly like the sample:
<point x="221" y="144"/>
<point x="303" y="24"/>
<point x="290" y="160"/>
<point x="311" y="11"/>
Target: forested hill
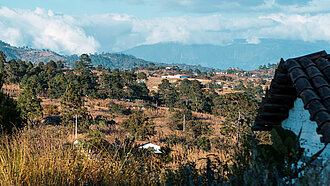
<point x="238" y="54"/>
<point x="27" y="54"/>
<point x="36" y="56"/>
<point x="112" y="60"/>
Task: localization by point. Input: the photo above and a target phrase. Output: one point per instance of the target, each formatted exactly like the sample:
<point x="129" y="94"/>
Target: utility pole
<point x="196" y="103"/>
<point x="76" y="126"/>
<point x="184" y="121"/>
<point x="184" y="117"/>
<point x="239" y="119"/>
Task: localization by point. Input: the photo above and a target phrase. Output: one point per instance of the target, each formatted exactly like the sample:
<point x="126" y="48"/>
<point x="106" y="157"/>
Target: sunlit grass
<point x="46" y="156"/>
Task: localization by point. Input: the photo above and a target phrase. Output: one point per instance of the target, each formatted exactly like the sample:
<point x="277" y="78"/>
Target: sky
<point x="88" y="26"/>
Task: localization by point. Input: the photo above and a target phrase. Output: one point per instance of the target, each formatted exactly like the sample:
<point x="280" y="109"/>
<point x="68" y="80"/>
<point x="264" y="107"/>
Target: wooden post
<point x="239" y="118"/>
<point x="184" y="121"/>
<point x="196" y="103"/>
<point x="76" y="126"/>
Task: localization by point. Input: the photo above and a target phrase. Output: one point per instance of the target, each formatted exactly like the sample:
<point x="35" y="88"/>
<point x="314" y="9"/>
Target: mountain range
<point x="111" y="60"/>
<point x="239" y="54"/>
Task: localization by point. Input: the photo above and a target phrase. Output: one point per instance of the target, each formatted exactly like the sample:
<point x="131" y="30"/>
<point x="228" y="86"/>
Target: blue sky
<point x="78" y="26"/>
<point x="90" y="7"/>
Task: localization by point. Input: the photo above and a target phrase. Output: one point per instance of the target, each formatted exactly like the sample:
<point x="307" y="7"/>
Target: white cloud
<point x="42" y="29"/>
<point x="217" y="29"/>
<point x="313" y="6"/>
<point x="299" y="27"/>
<point x="116" y="32"/>
<point x="238" y="6"/>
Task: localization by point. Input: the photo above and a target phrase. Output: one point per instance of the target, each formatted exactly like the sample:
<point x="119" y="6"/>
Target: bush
<point x="118" y="109"/>
<point x="140" y="126"/>
<point x="9" y="113"/>
<point x="204" y="143"/>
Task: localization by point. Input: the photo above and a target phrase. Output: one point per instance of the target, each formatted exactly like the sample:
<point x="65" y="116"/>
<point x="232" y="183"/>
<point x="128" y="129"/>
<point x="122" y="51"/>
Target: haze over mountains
<point x="239" y="54"/>
<point x="111" y="60"/>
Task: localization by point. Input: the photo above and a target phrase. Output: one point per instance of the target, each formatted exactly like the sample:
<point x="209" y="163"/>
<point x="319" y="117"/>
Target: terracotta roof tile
<point x="324" y="92"/>
<point x="324" y="131"/>
<point x="308" y="96"/>
<point x="319" y="82"/>
<point x="322" y="63"/>
<point x="327" y="104"/>
<point x="301" y="85"/>
<point x="313" y="71"/>
<point x="315" y="107"/>
<point x="291" y="64"/>
<point x="306" y="77"/>
<point x="321" y="118"/>
<point x="297" y="73"/>
<point x="326" y="72"/>
<point x="305" y="62"/>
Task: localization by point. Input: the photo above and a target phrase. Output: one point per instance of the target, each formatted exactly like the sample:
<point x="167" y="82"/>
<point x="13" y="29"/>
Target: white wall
<point x="309" y="139"/>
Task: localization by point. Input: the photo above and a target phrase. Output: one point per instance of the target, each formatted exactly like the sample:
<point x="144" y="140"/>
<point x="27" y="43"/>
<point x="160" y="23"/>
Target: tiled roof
<point x="306" y="77"/>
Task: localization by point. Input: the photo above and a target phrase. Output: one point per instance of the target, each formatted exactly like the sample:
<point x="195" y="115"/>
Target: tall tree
<point x="9" y="113"/>
<point x="86" y="77"/>
<point x="111" y="85"/>
<point x="167" y="92"/>
<point x="83" y="65"/>
<point x="71" y="102"/>
<point x="2" y="61"/>
<point x="57" y="86"/>
<point x="196" y="95"/>
<point x="30" y="107"/>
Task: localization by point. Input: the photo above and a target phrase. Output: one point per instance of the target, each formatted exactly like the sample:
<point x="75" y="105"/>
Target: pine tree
<point x="9" y="114"/>
<point x="167" y="92"/>
<point x="2" y="61"/>
<point x="30" y="107"/>
<point x="86" y="77"/>
<point x="71" y="100"/>
<point x="140" y="126"/>
<point x="72" y="104"/>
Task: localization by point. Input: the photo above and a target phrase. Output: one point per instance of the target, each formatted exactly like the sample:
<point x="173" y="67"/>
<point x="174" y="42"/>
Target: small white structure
<point x="299" y="118"/>
<point x="150" y="145"/>
<point x="178" y="76"/>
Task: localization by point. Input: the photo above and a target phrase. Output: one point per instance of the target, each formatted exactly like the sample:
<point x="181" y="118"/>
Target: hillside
<point x="111" y="60"/>
<point x="35" y="56"/>
<point x="27" y="54"/>
<point x="238" y="54"/>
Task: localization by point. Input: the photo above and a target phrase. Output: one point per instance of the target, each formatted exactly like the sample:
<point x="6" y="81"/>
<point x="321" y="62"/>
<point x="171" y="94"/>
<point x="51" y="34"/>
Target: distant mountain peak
<point x="239" y="54"/>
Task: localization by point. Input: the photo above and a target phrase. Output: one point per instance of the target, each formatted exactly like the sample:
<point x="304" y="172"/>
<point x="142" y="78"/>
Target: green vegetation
<point x="209" y="142"/>
<point x="9" y="113"/>
<point x="140" y="126"/>
<point x="30" y="107"/>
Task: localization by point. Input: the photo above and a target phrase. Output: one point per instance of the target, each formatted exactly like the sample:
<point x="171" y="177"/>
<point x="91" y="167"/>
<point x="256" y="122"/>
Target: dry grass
<point x="45" y="156"/>
<point x="12" y="89"/>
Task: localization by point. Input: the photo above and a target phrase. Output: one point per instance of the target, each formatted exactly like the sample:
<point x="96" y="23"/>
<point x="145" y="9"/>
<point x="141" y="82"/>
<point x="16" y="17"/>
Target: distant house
<point x="151" y="146"/>
<point x="299" y="99"/>
<point x="178" y="76"/>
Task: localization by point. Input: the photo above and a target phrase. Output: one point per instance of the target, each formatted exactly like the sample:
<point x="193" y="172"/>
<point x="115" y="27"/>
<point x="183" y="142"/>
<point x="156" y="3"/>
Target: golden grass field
<point x="45" y="154"/>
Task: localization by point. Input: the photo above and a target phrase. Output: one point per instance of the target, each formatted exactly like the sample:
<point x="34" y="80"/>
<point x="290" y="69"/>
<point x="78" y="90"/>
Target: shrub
<point x="140" y="126"/>
<point x="9" y="113"/>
